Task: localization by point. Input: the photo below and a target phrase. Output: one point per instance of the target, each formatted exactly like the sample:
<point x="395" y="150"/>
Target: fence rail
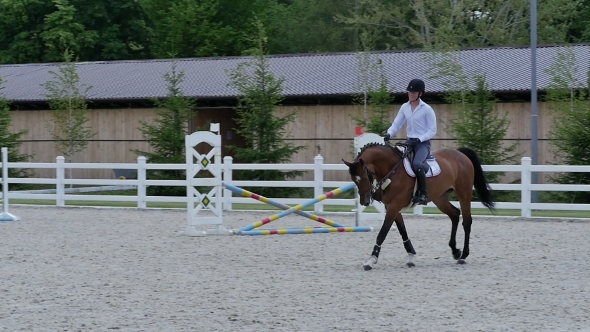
<point x="319" y="185"/>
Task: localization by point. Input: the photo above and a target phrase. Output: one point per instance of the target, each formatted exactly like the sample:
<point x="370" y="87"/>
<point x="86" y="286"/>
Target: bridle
<point x="374" y="185"/>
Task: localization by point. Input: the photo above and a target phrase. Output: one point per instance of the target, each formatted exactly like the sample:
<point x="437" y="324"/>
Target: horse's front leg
<point x="401" y="227"/>
<point x="387" y="222"/>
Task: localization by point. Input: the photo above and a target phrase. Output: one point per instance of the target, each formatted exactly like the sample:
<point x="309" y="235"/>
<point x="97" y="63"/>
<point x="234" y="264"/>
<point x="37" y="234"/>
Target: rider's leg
<point x="421" y="152"/>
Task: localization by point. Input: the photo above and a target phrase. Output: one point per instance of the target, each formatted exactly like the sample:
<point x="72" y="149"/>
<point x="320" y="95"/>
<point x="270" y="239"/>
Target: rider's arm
<point x="398" y="122"/>
<point x="430" y="125"/>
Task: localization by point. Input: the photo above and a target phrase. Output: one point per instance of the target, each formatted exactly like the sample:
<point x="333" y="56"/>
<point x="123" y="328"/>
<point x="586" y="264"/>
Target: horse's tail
<point x="484" y="192"/>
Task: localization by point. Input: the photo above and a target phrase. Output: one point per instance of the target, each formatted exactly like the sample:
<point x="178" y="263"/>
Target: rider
<point x="420" y="129"/>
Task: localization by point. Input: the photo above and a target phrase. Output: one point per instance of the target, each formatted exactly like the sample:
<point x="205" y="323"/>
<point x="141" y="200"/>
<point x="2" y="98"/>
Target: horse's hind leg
<point x="387" y="222"/>
<point x="445" y="206"/>
<point x="465" y="201"/>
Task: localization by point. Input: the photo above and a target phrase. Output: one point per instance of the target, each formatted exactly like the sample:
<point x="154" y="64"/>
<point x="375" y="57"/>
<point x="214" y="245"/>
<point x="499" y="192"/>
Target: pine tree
<point x="263" y="132"/>
<point x="377" y="102"/>
<point x="477" y="123"/>
<point x="10" y="140"/>
<point x="569" y="100"/>
<point x="166" y="134"/>
<point x="67" y="101"/>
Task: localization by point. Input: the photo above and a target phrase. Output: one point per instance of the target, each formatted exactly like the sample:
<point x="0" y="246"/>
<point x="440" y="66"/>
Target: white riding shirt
<point x="421" y="122"/>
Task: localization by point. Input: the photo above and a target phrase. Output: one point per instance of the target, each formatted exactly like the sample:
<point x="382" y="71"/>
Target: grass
<point x="327" y="208"/>
<point x="265" y="207"/>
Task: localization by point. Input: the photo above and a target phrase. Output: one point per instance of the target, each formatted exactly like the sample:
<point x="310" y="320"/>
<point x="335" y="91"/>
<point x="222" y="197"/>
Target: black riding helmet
<point x="416" y="85"/>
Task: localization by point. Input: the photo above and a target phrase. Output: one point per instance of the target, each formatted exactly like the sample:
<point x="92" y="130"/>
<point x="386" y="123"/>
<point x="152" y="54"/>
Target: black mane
<point x="370" y="145"/>
<point x="355" y="163"/>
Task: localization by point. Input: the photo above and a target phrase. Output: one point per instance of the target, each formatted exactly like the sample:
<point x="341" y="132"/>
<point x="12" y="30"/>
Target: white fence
<point x="318" y="184"/>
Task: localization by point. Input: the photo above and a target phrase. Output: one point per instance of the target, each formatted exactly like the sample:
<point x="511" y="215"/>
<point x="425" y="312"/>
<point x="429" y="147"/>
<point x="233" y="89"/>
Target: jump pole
<point x="269" y="201"/>
<point x="247" y="230"/>
<point x="307" y="230"/>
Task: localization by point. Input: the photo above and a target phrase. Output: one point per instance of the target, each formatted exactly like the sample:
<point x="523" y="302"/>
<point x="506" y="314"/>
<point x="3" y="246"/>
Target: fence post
<point x="5" y="215"/>
<point x="141" y="180"/>
<point x="357" y="207"/>
<point x="59" y="181"/>
<point x="227" y="178"/>
<point x="419" y="209"/>
<point x="318" y="178"/>
<point x="525" y="194"/>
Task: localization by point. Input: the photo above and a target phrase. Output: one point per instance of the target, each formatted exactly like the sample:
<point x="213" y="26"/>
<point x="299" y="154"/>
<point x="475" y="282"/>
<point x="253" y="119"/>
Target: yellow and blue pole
<point x="307" y="230"/>
<point x="269" y="201"/>
<point x="297" y="208"/>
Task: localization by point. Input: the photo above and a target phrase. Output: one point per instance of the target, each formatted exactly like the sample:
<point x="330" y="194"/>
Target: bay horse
<point x="379" y="175"/>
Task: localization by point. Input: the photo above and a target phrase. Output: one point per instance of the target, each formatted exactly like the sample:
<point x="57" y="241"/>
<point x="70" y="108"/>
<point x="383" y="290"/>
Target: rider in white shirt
<point x="421" y="127"/>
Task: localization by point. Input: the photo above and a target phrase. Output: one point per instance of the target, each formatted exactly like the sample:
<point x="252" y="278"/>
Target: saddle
<point x="408" y="152"/>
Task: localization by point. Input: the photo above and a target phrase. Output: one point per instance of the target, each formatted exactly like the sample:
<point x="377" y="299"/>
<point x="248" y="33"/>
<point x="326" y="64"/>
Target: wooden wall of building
<point x="329" y="128"/>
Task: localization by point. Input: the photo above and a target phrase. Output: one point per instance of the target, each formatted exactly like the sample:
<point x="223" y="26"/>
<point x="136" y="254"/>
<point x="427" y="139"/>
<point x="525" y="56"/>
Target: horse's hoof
<point x="457" y="254"/>
<point x="410" y="264"/>
<point x="369" y="264"/>
<point x="461" y="261"/>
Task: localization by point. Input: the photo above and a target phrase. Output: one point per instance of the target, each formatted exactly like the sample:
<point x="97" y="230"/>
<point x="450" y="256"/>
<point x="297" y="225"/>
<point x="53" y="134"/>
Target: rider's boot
<point x="421" y="196"/>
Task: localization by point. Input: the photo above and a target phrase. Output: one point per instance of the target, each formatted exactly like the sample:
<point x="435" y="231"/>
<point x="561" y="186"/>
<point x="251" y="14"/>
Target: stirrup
<point x="421" y="199"/>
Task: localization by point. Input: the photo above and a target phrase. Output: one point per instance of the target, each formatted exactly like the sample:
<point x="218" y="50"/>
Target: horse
<point x="378" y="174"/>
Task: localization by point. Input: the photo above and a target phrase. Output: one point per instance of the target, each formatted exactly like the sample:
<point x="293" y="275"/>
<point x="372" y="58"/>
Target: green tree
<point x="33" y="31"/>
<point x="62" y="32"/>
<point x="263" y="132"/>
<point x="477" y="123"/>
<point x="433" y="24"/>
<point x="12" y="141"/>
<point x="122" y="28"/>
<point x="569" y="101"/>
<point x="67" y="101"/>
<point x="188" y="29"/>
<point x="166" y="134"/>
<point x="308" y="26"/>
<point x="376" y="99"/>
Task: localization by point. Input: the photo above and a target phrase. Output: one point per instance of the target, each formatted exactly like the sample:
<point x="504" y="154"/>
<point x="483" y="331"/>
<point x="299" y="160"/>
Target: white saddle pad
<point x="433" y="171"/>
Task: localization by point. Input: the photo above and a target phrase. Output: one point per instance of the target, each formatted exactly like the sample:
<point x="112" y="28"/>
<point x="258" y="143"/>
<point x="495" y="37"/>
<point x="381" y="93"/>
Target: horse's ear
<point x="346" y="163"/>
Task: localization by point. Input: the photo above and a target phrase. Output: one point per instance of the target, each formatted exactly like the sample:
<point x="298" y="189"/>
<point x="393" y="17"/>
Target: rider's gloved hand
<point x="386" y="138"/>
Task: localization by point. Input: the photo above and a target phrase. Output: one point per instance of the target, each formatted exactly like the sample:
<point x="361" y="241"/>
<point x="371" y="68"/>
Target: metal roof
<point x="507" y="69"/>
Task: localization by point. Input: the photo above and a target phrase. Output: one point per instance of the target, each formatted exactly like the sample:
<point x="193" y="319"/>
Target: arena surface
<point x="98" y="269"/>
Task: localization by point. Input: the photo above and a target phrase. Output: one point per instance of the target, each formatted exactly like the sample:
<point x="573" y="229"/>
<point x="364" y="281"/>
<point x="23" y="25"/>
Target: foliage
<point x="569" y="99"/>
<point x="188" y="29"/>
<point x="166" y="134"/>
<point x="434" y="24"/>
<point x="377" y="99"/>
<point x="263" y="131"/>
<point x="67" y="100"/>
<point x="309" y="26"/>
<point x="33" y="31"/>
<point x="12" y="141"/>
<point x="477" y="124"/>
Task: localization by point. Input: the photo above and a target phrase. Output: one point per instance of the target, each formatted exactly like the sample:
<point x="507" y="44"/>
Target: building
<point x="318" y="86"/>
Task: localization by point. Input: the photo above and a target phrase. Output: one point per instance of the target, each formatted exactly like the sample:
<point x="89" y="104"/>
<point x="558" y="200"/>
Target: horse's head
<point x="369" y="167"/>
<point x="363" y="177"/>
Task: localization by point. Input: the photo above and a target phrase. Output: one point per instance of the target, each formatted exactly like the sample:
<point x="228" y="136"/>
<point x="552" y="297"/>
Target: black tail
<point x="484" y="192"/>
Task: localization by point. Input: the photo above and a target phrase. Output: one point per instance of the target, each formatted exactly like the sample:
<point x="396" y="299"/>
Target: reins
<point x="386" y="180"/>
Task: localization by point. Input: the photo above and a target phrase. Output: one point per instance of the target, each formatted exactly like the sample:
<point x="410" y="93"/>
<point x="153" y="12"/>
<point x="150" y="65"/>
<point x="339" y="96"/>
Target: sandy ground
<point x="86" y="269"/>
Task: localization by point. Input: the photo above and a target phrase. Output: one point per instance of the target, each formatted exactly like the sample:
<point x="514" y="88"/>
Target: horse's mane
<point x="352" y="168"/>
<point x="376" y="144"/>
